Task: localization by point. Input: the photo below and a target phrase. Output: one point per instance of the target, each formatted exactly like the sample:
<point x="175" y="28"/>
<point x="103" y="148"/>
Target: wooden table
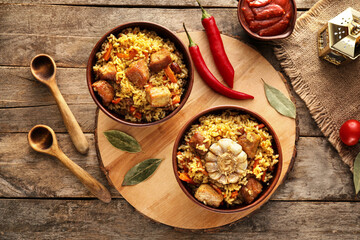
<point x="39" y="198"/>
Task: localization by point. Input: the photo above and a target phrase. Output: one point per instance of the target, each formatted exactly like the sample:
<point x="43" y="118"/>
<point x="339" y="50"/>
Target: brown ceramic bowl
<point x="160" y="31"/>
<point x="266" y="189"/>
<point x="245" y="25"/>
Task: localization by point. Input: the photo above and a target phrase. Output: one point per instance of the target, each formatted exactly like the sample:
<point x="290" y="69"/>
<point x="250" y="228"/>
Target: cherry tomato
<point x="350" y="132"/>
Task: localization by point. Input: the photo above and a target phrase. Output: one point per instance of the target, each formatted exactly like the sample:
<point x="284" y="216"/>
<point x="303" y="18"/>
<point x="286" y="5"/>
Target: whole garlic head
<point x="226" y="161"/>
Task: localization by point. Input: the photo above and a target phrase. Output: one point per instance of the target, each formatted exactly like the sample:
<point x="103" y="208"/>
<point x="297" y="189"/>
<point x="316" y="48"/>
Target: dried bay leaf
<point x="122" y="141"/>
<point x="279" y="101"/>
<point x="141" y="171"/>
<point x="357" y="174"/>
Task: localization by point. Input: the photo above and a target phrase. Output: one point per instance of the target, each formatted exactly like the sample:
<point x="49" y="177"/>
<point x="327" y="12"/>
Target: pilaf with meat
<point x="226" y="159"/>
<point x="140" y="75"/>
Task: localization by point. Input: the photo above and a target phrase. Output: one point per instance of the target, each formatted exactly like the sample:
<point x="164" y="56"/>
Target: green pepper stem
<point x="204" y="13"/>
<point x="191" y="42"/>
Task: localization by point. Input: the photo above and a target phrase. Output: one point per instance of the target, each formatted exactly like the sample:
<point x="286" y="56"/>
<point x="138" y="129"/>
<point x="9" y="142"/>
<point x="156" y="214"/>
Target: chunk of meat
<point x="251" y="190"/>
<point x="138" y="73"/>
<point x="105" y="90"/>
<point x="158" y="96"/>
<point x="107" y="72"/>
<point x="249" y="142"/>
<point x="196" y="140"/>
<point x="175" y="68"/>
<point x="159" y="60"/>
<point x="208" y="195"/>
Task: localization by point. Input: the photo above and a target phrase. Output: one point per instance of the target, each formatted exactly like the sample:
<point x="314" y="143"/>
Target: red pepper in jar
<point x="267" y="17"/>
<point x="258" y="3"/>
<point x="269" y="11"/>
<point x="221" y="60"/>
<point x="207" y="76"/>
<point x="277" y="28"/>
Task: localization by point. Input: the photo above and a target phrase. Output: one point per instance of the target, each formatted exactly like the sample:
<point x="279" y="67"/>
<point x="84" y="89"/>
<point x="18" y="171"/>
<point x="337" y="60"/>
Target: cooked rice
<point x="145" y="43"/>
<point x="227" y="125"/>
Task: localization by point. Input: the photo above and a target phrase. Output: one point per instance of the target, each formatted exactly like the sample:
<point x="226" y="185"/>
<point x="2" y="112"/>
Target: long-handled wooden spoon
<point x="43" y="68"/>
<point x="43" y="139"/>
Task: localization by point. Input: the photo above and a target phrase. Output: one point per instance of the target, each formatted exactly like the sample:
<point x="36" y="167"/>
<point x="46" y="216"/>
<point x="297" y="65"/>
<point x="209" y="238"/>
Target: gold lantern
<point x="339" y="40"/>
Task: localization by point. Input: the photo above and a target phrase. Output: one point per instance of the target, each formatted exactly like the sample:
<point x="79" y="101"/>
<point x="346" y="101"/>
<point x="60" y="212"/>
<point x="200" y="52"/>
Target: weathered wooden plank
<point x="31" y="99"/>
<point x="26" y="173"/>
<point x="19" y="22"/>
<point x="20" y="89"/>
<point x="149" y="3"/>
<point x="25" y="30"/>
<point x="132" y="3"/>
<point x="91" y="219"/>
<point x="57" y="20"/>
<point x="318" y="174"/>
<point x="23" y="119"/>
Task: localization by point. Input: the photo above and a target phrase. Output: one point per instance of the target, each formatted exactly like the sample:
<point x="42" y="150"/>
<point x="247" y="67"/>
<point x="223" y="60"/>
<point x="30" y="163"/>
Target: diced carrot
<point x="146" y="55"/>
<point x="137" y="115"/>
<point x="132" y="109"/>
<point x="108" y="51"/>
<point x="234" y="194"/>
<point x="261" y="126"/>
<point x="122" y="55"/>
<point x="170" y="74"/>
<point x="178" y="153"/>
<point x="132" y="53"/>
<point x="263" y="177"/>
<point x="256" y="162"/>
<point x="200" y="165"/>
<point x="216" y="189"/>
<point x="116" y="101"/>
<point x="185" y="177"/>
<point x="175" y="100"/>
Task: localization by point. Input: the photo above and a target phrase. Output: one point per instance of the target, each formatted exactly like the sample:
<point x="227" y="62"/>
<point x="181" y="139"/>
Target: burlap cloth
<point x="332" y="93"/>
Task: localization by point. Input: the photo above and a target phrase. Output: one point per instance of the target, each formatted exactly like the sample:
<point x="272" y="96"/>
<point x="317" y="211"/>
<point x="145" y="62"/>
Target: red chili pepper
<point x="207" y="76"/>
<point x="217" y="47"/>
<point x="263" y="177"/>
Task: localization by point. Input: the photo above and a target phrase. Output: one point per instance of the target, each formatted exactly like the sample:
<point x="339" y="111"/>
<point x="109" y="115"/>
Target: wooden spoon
<point x="43" y="139"/>
<point x="43" y="69"/>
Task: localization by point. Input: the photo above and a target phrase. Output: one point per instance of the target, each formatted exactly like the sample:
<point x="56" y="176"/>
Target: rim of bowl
<point x="285" y="34"/>
<point x="221" y="108"/>
<point x="161" y="31"/>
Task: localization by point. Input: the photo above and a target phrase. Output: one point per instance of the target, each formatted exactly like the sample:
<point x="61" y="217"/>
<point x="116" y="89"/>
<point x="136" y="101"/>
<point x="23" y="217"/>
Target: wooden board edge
<point x="297" y="129"/>
<point x="101" y="164"/>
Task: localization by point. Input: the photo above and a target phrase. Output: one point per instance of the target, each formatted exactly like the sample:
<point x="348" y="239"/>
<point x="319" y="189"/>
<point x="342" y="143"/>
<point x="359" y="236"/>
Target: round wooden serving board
<point x="160" y="197"/>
